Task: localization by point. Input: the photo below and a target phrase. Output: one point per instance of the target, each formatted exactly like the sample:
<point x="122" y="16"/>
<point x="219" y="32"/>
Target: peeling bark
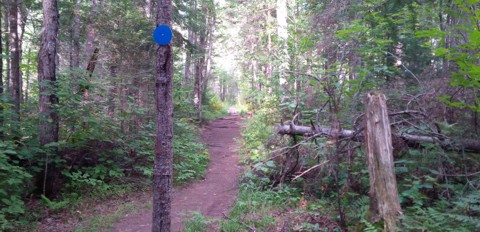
<point x="384" y="201"/>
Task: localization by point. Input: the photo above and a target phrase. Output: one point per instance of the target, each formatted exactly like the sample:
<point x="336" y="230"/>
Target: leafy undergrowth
<point x="90" y="202"/>
<point x="91" y="213"/>
<point x="335" y="198"/>
<point x="257" y="208"/>
<point x="93" y="202"/>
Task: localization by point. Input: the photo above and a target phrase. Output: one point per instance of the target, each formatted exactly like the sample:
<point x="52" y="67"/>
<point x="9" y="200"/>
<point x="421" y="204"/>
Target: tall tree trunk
<point x="113" y="91"/>
<point x="91" y="43"/>
<point x="7" y="49"/>
<point x="282" y="32"/>
<point x="188" y="63"/>
<point x="197" y="89"/>
<point x="200" y="65"/>
<point x="190" y="48"/>
<point x="163" y="169"/>
<point x="1" y="82"/>
<point x="210" y="40"/>
<point x="21" y="19"/>
<point x="27" y="76"/>
<point x="268" y="65"/>
<point x="384" y="202"/>
<point x="15" y="60"/>
<point x="48" y="129"/>
<point x="75" y="49"/>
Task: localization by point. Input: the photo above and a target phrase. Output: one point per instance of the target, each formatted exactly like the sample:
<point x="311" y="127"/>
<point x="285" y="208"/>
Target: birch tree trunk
<point x="384" y="202"/>
<point x="48" y="130"/>
<point x="163" y="169"/>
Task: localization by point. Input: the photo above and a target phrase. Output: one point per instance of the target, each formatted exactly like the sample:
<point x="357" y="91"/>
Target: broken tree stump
<point x="384" y="201"/>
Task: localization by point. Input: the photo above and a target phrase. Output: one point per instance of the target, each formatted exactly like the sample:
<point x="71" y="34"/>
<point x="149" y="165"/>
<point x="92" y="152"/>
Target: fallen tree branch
<point x="305" y="172"/>
<point x="319" y="131"/>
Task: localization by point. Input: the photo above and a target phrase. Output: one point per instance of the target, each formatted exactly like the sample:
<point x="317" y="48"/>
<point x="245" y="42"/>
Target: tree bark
<point x="384" y="201"/>
<point x="190" y="48"/>
<point x="163" y="167"/>
<point x="21" y="19"/>
<point x="48" y="129"/>
<point x="1" y="81"/>
<point x="282" y="32"/>
<point x="7" y="84"/>
<point x="197" y="89"/>
<point x="15" y="59"/>
<point x="210" y="40"/>
<point x="200" y="65"/>
<point x="75" y="60"/>
<point x="91" y="43"/>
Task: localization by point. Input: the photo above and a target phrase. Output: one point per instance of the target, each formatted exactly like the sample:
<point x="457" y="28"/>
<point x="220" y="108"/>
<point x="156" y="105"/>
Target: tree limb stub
<point x="319" y="131"/>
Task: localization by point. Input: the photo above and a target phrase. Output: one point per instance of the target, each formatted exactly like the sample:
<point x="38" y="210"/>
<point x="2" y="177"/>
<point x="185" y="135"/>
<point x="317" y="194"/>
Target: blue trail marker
<point x="162" y="35"/>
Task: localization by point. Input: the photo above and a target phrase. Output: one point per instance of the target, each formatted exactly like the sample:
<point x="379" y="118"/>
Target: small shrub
<point x="196" y="222"/>
<point x="13" y="180"/>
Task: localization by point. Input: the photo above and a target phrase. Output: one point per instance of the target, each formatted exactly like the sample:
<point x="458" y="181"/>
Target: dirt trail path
<point x="212" y="196"/>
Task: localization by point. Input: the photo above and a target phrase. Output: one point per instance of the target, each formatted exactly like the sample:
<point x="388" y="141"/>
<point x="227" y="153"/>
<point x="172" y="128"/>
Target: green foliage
<point x="465" y="55"/>
<point x="13" y="184"/>
<point x="252" y="209"/>
<point x="55" y="206"/>
<point x="458" y="214"/>
<point x="213" y="107"/>
<point x="190" y="156"/>
<point x="256" y="134"/>
<point x="196" y="222"/>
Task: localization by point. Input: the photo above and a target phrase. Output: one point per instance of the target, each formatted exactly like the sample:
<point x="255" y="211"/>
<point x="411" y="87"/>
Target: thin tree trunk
<point x="200" y="66"/>
<point x="384" y="201"/>
<point x="75" y="60"/>
<point x="163" y="168"/>
<point x="197" y="89"/>
<point x="91" y="43"/>
<point x="48" y="129"/>
<point x="27" y="76"/>
<point x="113" y="91"/>
<point x="7" y="84"/>
<point x="15" y="60"/>
<point x="210" y="40"/>
<point x="188" y="62"/>
<point x="268" y="65"/>
<point x="190" y="48"/>
<point x="1" y="82"/>
<point x="282" y="31"/>
<point x="21" y="19"/>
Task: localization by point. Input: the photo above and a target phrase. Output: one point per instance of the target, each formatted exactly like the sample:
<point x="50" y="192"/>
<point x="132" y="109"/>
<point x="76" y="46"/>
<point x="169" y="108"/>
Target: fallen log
<point x="324" y="131"/>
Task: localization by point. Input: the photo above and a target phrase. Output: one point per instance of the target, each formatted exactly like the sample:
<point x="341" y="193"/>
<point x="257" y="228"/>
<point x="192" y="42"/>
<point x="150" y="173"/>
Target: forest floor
<point x="211" y="196"/>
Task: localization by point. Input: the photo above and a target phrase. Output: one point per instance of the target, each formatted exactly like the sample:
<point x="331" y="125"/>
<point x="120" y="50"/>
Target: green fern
<point x="359" y="208"/>
<point x="461" y="214"/>
<point x="369" y="227"/>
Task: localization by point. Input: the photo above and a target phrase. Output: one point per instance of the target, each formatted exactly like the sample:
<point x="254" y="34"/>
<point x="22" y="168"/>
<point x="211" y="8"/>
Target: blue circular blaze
<point x="162" y="35"/>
